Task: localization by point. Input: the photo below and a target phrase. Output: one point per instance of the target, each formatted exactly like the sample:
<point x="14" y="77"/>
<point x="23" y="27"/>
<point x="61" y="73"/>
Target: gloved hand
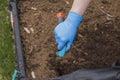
<point x="65" y="32"/>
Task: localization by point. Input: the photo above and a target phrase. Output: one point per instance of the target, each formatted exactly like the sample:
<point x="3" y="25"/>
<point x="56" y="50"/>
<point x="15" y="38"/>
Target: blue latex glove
<point x="65" y="32"/>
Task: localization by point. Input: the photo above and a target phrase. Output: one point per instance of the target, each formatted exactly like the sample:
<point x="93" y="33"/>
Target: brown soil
<point x="97" y="43"/>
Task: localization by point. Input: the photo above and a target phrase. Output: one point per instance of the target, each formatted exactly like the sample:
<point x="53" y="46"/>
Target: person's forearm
<point x="79" y="6"/>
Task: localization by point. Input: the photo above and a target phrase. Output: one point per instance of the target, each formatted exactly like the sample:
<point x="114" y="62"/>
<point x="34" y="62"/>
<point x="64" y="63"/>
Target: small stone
<point x="80" y="35"/>
<point x="33" y="74"/>
<point x="86" y="53"/>
<point x="42" y="31"/>
<point x="74" y="61"/>
<point x="33" y="8"/>
<point x="26" y="30"/>
<point x="67" y="2"/>
<point x="32" y="30"/>
<point x="109" y="18"/>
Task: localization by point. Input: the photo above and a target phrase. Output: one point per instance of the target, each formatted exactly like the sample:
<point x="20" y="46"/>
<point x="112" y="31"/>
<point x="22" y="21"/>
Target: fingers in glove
<point x="68" y="46"/>
<point x="57" y="39"/>
<point x="61" y="44"/>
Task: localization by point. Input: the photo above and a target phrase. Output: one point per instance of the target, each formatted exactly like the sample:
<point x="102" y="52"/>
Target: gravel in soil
<point x="97" y="43"/>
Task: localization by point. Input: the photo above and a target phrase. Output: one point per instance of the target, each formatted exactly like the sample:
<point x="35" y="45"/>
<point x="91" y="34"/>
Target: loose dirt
<point x="97" y="43"/>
